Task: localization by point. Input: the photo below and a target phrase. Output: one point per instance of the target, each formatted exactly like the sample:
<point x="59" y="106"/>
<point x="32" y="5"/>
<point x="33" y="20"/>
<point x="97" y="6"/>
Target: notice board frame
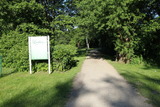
<point x="40" y="42"/>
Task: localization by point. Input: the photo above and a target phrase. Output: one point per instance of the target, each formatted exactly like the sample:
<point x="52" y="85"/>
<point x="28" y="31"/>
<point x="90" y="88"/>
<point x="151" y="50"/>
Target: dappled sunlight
<point x="49" y="97"/>
<point x="99" y="85"/>
<point x="39" y="89"/>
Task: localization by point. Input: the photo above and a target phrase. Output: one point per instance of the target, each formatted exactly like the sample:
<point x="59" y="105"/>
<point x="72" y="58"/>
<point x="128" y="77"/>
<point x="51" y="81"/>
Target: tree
<point x="23" y="18"/>
<point x="121" y="25"/>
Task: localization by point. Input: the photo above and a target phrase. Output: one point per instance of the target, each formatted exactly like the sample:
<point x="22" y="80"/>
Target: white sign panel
<point x="39" y="49"/>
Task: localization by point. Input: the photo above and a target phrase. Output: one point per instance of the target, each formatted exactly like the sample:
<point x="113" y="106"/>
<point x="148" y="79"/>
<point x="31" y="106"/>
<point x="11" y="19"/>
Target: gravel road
<point x="99" y="85"/>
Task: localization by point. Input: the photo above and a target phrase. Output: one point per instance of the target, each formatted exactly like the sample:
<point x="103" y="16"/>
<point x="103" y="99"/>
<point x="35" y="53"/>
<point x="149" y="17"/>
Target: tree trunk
<point x="87" y="43"/>
<point x="122" y="58"/>
<point x="78" y="45"/>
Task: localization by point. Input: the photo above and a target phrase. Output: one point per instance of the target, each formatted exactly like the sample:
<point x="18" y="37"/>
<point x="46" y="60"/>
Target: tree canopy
<point x="125" y="29"/>
<point x="128" y="28"/>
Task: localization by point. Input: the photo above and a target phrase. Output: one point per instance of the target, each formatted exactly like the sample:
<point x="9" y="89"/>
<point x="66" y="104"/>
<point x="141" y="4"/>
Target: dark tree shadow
<point x="49" y="97"/>
<point x="97" y="54"/>
<point x="128" y="96"/>
<point x="5" y="73"/>
<point x="139" y="81"/>
<point x="81" y="52"/>
<point x="148" y="67"/>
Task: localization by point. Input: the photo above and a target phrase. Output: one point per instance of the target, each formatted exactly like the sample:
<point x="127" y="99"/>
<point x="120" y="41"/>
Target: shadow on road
<point x="99" y="85"/>
<point x="97" y="54"/>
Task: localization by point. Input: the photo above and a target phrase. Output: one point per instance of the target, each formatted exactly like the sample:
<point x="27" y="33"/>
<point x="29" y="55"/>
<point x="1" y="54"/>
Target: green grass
<point x="37" y="90"/>
<point x="145" y="78"/>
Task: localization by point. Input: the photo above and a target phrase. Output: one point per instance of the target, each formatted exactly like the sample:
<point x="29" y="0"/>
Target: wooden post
<point x="87" y="43"/>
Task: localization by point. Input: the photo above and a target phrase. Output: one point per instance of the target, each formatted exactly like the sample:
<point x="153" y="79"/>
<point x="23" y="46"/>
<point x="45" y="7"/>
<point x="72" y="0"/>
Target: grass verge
<point x="37" y="90"/>
<point x="145" y="78"/>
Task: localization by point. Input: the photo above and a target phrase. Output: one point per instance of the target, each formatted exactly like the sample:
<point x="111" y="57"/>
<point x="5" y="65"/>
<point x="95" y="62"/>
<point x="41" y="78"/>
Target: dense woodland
<point x="125" y="29"/>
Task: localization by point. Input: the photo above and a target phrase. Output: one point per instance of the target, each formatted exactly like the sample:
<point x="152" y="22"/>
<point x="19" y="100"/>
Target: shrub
<point x="14" y="47"/>
<point x="40" y="65"/>
<point x="63" y="57"/>
<point x="137" y="60"/>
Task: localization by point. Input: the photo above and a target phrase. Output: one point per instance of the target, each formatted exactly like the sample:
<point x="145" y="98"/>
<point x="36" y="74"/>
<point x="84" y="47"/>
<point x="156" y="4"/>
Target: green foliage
<point x="14" y="49"/>
<point x="137" y="60"/>
<point x="31" y="28"/>
<point x="63" y="29"/>
<point x="27" y="12"/>
<point x="40" y="66"/>
<point x="18" y="20"/>
<point x="14" y="46"/>
<point x="63" y="57"/>
<point x="22" y="18"/>
<point x="125" y="28"/>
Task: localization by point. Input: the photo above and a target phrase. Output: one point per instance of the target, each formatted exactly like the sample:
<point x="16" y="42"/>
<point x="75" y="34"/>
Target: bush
<point x="63" y="57"/>
<point x="40" y="65"/>
<point x="137" y="60"/>
<point x="14" y="47"/>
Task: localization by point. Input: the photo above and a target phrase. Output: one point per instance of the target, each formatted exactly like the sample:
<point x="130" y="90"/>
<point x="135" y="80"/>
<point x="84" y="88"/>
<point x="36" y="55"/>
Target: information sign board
<point x="39" y="49"/>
